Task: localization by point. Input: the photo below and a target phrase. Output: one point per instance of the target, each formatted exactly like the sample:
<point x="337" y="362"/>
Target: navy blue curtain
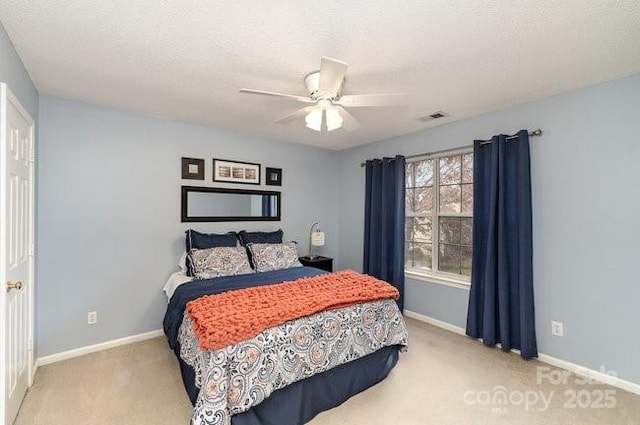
<point x="384" y="222"/>
<point x="268" y="206"/>
<point x="501" y="308"/>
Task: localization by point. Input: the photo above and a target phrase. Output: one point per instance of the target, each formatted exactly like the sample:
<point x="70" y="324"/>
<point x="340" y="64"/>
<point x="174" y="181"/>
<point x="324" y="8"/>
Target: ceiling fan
<point x="326" y="102"/>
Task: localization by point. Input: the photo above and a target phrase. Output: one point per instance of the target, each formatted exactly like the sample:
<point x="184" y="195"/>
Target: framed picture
<point x="235" y="172"/>
<point x="192" y="168"/>
<point x="273" y="176"/>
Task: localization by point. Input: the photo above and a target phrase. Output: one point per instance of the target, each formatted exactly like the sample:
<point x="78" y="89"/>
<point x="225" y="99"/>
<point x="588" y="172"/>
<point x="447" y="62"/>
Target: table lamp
<point x="316" y="238"/>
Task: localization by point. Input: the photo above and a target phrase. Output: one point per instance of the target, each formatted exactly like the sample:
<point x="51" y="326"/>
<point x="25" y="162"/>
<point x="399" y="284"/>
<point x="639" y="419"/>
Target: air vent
<point x="434" y="116"/>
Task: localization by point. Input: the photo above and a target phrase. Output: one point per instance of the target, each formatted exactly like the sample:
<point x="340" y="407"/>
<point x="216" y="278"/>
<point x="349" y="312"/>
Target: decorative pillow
<point x="219" y="261"/>
<point x="272" y="256"/>
<point x="260" y="237"/>
<point x="197" y="240"/>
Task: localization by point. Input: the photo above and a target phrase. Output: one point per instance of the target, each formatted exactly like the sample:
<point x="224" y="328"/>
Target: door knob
<point x="12" y="285"/>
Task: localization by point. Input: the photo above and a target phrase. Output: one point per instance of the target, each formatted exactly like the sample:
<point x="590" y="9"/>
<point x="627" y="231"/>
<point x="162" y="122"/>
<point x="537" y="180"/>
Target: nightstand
<point x="318" y="261"/>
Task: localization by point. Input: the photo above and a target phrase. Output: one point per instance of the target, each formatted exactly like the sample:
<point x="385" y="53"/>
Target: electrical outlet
<point x="92" y="317"/>
<point x="557" y="328"/>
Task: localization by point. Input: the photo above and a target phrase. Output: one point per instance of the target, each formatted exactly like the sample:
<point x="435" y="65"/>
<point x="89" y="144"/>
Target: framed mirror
<point x="219" y="204"/>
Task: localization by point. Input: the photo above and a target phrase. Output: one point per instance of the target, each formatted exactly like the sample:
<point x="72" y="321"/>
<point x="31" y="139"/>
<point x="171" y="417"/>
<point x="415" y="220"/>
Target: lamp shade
<point x="313" y="119"/>
<point x="325" y="112"/>
<point x="317" y="238"/>
<point x="334" y="120"/>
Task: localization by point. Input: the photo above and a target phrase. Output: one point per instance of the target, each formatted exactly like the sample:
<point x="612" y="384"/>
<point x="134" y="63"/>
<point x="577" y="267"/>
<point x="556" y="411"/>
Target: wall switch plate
<point x="92" y="317"/>
<point x="557" y="328"/>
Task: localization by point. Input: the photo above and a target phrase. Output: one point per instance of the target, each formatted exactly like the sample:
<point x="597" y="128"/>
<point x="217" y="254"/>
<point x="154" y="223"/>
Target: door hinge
<point x="31" y="251"/>
<point x="32" y="155"/>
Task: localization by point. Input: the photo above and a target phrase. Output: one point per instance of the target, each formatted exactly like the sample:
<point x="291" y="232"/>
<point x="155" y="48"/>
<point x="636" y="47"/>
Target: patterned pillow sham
<point x="274" y="256"/>
<point x="219" y="261"/>
<point x="197" y="240"/>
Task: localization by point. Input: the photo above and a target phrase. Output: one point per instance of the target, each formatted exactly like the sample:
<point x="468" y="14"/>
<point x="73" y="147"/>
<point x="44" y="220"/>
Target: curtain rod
<point x="536" y="132"/>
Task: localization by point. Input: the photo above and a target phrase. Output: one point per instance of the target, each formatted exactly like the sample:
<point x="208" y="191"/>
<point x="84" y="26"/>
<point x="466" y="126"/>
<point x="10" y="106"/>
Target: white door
<point x="16" y="252"/>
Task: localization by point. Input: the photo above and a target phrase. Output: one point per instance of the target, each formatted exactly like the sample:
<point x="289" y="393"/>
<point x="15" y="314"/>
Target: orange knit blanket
<point x="231" y="317"/>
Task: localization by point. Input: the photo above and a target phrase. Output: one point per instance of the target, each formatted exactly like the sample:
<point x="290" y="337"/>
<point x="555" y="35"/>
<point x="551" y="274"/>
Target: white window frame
<point x="434" y="275"/>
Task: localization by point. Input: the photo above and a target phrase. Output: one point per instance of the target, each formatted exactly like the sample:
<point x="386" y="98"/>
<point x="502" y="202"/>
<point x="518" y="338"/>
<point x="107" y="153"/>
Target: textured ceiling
<point x="186" y="60"/>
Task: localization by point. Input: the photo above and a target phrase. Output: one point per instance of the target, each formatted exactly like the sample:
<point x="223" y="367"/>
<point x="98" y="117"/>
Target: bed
<point x="287" y="373"/>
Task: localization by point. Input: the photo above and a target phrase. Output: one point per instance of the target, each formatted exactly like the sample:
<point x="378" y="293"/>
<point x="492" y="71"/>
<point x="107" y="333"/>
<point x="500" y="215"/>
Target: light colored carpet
<point x="443" y="379"/>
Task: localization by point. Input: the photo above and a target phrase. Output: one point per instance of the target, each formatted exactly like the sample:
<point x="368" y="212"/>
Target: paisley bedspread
<point x="235" y="378"/>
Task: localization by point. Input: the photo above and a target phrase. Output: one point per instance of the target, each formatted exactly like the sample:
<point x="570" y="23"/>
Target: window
<point x="439" y="215"/>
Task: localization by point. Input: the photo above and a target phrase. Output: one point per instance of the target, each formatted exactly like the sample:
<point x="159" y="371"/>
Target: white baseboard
<point x="553" y="361"/>
<point x="435" y="322"/>
<point x="595" y="375"/>
<point x="97" y="347"/>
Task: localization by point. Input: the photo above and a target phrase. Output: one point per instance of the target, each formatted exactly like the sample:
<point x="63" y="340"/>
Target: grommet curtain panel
<point x="384" y="221"/>
<point x="501" y="305"/>
<point x="268" y="206"/>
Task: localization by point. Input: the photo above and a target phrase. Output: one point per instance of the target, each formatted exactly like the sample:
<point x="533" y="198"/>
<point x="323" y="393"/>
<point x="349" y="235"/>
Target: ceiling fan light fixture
<point x="326" y="108"/>
<point x="313" y="119"/>
<point x="334" y="120"/>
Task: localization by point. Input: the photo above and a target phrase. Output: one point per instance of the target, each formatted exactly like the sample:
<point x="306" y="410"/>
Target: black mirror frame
<point x="186" y="189"/>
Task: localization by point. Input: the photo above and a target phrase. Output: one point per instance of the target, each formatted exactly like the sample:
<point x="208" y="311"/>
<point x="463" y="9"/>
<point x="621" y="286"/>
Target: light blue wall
<point x="109" y="216"/>
<point x="586" y="219"/>
<point x="13" y="72"/>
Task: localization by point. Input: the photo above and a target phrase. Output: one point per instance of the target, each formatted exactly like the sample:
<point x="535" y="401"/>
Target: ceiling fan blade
<point x="303" y="99"/>
<point x="349" y="123"/>
<point x="332" y="74"/>
<point x="295" y="115"/>
<point x="366" y="100"/>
